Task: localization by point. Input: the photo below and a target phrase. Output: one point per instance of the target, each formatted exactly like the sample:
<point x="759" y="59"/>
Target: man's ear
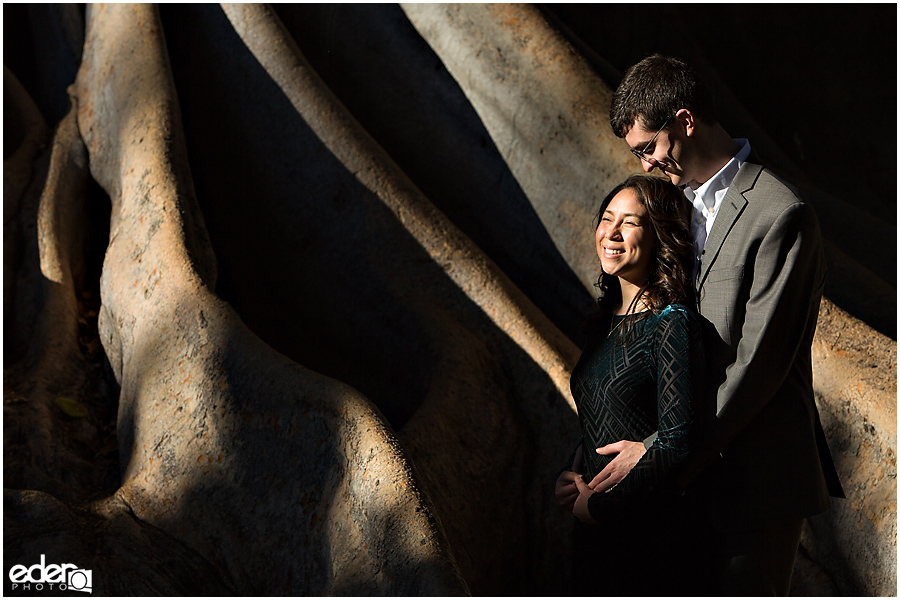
<point x="685" y="118"/>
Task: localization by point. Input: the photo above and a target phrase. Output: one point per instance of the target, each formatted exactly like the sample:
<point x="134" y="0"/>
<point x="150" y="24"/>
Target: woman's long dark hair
<point x="668" y="214"/>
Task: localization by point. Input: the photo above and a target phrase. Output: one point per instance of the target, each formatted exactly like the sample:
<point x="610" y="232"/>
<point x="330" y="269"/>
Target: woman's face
<point x="625" y="240"/>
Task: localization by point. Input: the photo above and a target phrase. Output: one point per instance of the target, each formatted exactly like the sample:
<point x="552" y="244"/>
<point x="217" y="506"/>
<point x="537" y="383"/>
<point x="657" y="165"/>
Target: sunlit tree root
<point x="286" y="480"/>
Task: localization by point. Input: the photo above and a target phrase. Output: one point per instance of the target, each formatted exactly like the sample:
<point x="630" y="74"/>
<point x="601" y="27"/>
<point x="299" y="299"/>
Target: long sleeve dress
<point x="627" y="388"/>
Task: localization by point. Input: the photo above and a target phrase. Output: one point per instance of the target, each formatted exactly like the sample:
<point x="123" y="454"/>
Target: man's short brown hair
<point x="653" y="90"/>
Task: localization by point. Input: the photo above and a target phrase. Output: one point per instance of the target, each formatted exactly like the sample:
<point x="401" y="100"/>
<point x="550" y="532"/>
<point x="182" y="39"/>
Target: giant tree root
<point x="289" y="481"/>
<point x="285" y="480"/>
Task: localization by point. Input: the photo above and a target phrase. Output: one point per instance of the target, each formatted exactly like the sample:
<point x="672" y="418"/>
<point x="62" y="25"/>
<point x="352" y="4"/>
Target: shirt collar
<point x="722" y="180"/>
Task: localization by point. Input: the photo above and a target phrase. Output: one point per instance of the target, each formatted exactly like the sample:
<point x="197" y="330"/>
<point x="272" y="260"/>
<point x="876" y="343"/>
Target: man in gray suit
<point x="760" y="273"/>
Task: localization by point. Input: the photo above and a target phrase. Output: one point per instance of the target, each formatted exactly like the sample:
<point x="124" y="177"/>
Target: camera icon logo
<point x="80" y="580"/>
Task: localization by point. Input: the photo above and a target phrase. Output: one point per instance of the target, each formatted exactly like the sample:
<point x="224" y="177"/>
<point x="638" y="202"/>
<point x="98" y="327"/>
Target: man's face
<point x="666" y="152"/>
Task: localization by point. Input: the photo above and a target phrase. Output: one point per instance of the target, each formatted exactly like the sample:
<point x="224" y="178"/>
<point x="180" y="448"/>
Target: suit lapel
<point x="732" y="206"/>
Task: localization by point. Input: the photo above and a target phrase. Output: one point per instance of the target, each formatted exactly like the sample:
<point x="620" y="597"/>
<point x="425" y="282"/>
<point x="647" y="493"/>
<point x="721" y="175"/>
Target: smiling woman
<point x="645" y="247"/>
<point x="644" y="379"/>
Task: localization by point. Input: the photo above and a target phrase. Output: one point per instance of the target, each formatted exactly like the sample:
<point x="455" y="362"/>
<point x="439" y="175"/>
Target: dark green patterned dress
<point x="627" y="388"/>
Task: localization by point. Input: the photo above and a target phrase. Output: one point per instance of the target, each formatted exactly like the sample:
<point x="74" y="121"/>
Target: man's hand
<point x="581" y="504"/>
<point x="629" y="453"/>
<point x="566" y="491"/>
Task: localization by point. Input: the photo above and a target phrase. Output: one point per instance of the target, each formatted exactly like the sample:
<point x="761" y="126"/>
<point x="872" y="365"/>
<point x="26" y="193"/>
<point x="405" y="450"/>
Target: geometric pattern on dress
<point x="628" y="391"/>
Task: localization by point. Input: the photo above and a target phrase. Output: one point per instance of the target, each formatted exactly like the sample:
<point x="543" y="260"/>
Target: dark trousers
<point x="757" y="563"/>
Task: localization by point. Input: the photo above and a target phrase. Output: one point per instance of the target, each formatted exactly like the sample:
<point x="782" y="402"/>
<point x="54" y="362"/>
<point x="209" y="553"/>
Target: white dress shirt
<point x="707" y="199"/>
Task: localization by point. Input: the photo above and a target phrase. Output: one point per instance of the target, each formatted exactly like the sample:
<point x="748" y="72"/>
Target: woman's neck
<point x="629" y="292"/>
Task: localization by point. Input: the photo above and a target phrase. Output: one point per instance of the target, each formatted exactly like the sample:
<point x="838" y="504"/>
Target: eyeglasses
<point x="642" y="154"/>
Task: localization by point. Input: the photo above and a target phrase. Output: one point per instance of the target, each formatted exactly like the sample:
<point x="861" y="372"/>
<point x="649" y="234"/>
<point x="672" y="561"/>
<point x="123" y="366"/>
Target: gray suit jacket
<point x="760" y="282"/>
